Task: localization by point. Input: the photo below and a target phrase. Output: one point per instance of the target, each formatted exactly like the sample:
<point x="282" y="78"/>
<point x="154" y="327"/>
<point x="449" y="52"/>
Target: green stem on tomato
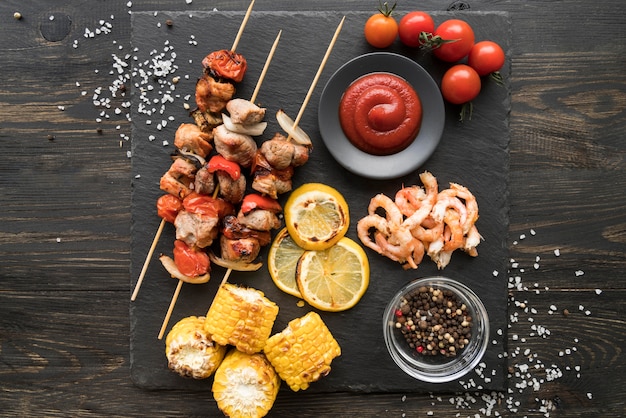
<point x="497" y="78"/>
<point x="466" y="109"/>
<point x="384" y="8"/>
<point x="430" y="41"/>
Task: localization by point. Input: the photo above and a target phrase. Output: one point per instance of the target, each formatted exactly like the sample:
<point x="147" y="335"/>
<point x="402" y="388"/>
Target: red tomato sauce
<point x="380" y="113"/>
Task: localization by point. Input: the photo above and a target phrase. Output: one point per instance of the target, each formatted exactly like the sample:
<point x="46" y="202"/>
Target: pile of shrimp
<point x="422" y="220"/>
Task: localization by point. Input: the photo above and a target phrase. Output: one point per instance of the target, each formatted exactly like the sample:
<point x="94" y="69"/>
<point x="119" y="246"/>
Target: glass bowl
<point x="449" y="329"/>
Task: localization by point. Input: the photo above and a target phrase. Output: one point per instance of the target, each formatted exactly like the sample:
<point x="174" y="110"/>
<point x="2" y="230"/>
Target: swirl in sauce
<point x="380" y="113"/>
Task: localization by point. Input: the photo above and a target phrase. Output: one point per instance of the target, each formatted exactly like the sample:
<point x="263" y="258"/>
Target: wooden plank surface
<point x="65" y="219"/>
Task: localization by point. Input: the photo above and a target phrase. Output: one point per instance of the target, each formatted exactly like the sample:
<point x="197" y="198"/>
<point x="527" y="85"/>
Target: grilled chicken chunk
<point x="190" y="137"/>
<point x="245" y="112"/>
<point x="196" y="229"/>
<point x="233" y="146"/>
<point x="259" y="219"/>
<point x="204" y="182"/>
<point x="178" y="179"/>
<point x="281" y="153"/>
<point x="268" y="180"/>
<point x="233" y="229"/>
<point x="231" y="190"/>
<point x="212" y="95"/>
<point x="243" y="249"/>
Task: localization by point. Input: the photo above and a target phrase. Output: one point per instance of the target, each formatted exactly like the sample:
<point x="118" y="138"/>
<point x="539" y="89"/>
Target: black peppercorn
<point x="434" y="322"/>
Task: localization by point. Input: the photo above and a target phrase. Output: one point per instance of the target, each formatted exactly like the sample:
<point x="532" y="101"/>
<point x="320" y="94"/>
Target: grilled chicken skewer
<point x="180" y="282"/>
<point x="274" y="164"/>
<point x="157" y="236"/>
<point x="228" y="139"/>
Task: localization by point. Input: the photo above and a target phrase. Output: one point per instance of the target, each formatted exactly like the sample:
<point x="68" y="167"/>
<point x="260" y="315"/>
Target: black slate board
<point x="473" y="153"/>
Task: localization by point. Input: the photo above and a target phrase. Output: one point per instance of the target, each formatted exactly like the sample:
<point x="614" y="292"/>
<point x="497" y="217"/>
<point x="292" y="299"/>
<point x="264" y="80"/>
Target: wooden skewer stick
<point x="148" y="258"/>
<point x="224" y="281"/>
<point x="317" y="75"/>
<point x="242" y="26"/>
<point x="265" y="67"/>
<point x="170" y="309"/>
<point x="166" y="320"/>
<point x="216" y="191"/>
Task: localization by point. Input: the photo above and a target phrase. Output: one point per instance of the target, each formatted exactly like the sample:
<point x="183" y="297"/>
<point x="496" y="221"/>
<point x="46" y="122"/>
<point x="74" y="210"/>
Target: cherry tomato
<point x="226" y="64"/>
<point x="381" y="29"/>
<point x="190" y="262"/>
<point x="168" y="207"/>
<point x="412" y="25"/>
<point x="486" y="57"/>
<point x="457" y="39"/>
<point x="460" y="84"/>
<point x="206" y="205"/>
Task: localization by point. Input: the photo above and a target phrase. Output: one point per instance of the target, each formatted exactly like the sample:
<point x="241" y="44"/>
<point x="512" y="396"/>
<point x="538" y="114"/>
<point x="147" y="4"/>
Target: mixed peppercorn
<point x="434" y="322"/>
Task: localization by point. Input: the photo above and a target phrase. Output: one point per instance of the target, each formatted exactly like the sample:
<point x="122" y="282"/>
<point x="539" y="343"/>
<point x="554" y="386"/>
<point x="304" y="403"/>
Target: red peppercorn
<point x="398" y="312"/>
<point x="420" y="349"/>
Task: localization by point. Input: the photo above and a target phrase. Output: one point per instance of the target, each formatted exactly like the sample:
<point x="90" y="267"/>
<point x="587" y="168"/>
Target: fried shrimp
<point x="421" y="220"/>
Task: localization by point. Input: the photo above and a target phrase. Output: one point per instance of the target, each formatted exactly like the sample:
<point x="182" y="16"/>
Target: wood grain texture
<point x="64" y="321"/>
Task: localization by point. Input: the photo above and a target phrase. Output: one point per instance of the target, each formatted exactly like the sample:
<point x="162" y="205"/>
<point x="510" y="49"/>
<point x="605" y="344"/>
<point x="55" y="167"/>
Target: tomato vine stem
<point x="384" y="8"/>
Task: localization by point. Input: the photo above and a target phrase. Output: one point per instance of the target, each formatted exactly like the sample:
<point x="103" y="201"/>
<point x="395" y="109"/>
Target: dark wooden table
<point x="65" y="217"/>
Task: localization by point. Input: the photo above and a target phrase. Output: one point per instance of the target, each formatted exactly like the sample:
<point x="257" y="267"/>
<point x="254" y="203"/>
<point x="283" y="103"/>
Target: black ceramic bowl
<point x="389" y="166"/>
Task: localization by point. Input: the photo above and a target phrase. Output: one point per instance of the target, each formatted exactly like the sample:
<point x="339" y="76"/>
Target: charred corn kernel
<point x="190" y="351"/>
<point x="303" y="351"/>
<point x="245" y="385"/>
<point x="242" y="317"/>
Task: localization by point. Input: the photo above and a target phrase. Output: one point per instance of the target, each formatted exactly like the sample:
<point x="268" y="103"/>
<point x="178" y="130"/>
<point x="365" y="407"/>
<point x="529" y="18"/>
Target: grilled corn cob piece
<point x="245" y="385"/>
<point x="303" y="351"/>
<point x="242" y="317"/>
<point x="190" y="351"/>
